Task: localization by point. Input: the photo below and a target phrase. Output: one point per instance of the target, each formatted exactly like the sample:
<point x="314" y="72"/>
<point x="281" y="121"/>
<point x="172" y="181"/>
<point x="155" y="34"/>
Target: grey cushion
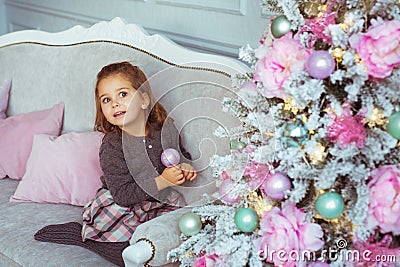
<point x="19" y="222"/>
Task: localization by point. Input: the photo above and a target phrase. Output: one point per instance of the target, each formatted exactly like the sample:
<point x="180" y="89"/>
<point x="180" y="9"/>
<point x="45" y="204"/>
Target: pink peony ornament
<point x="318" y="26"/>
<point x="379" y="48"/>
<point x="347" y="129"/>
<point x="277" y="63"/>
<point x="375" y="250"/>
<point x="287" y="230"/>
<point x="205" y="261"/>
<point x="384" y="199"/>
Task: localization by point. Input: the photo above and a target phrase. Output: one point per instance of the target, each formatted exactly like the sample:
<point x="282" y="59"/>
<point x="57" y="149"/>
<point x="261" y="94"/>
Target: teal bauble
<point x="393" y="127"/>
<point x="235" y="145"/>
<point x="246" y="219"/>
<point x="280" y="26"/>
<point x="329" y="205"/>
<point x="295" y="134"/>
<point x="190" y="223"/>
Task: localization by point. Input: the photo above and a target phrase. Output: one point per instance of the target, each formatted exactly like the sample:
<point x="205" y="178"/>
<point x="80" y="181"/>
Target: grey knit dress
<point x="129" y="195"/>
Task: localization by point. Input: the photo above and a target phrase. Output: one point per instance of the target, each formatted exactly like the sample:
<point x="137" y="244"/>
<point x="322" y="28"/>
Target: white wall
<point x="220" y="26"/>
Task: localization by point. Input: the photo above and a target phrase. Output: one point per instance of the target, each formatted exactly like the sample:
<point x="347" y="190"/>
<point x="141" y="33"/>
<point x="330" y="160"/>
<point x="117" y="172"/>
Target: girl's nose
<point x="115" y="104"/>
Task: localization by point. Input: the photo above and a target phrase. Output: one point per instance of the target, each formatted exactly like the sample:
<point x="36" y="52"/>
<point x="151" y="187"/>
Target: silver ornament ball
<point x="280" y="26"/>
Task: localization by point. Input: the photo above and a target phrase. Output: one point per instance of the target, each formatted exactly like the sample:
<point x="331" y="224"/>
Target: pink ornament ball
<point x="225" y="193"/>
<point x="170" y="157"/>
<point x="276" y="185"/>
<point x="320" y="64"/>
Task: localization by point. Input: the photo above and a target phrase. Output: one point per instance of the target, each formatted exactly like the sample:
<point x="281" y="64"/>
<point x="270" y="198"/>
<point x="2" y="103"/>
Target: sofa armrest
<point x="162" y="232"/>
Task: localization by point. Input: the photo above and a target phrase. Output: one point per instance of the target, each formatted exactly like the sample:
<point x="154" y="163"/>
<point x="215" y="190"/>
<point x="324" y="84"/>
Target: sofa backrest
<point x="47" y="68"/>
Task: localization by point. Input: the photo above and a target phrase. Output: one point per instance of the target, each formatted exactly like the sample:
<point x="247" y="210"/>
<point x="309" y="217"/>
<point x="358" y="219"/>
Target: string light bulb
<point x="337" y="54"/>
<point x="319" y="154"/>
<point x="376" y="119"/>
<point x="290" y="105"/>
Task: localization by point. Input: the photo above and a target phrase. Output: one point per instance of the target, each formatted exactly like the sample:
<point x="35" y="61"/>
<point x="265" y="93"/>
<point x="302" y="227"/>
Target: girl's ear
<point x="145" y="101"/>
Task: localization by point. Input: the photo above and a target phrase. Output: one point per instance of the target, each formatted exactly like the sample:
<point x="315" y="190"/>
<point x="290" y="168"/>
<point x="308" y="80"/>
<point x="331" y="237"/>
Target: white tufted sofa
<point x="47" y="68"/>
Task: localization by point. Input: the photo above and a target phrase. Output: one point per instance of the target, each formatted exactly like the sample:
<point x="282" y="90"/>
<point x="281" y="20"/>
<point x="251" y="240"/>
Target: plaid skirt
<point x="106" y="221"/>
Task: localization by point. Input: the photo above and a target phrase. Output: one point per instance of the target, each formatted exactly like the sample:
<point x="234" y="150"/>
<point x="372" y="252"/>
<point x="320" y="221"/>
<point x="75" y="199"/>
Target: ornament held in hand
<point x="170" y="157"/>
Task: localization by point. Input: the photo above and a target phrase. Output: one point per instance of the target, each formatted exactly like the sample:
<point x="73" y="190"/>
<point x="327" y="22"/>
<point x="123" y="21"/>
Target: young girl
<point x="136" y="187"/>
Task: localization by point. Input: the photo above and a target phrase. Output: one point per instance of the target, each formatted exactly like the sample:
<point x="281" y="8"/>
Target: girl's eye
<point x="123" y="94"/>
<point x="105" y="100"/>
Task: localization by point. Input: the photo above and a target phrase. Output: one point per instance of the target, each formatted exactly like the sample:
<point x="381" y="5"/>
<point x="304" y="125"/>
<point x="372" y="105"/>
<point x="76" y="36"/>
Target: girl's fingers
<point x="180" y="182"/>
<point x="189" y="176"/>
<point x="175" y="170"/>
<point x="193" y="176"/>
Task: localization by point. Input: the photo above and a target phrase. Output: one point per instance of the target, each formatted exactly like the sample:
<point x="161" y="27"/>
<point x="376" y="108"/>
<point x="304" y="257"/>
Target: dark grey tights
<point x="70" y="234"/>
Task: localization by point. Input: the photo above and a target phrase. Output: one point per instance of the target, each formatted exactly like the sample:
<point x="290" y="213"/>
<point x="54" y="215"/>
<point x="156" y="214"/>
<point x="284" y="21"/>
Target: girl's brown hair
<point x="155" y="112"/>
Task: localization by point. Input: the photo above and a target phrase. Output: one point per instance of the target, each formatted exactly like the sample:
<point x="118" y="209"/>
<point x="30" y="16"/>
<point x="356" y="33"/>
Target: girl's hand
<point x="169" y="177"/>
<point x="189" y="173"/>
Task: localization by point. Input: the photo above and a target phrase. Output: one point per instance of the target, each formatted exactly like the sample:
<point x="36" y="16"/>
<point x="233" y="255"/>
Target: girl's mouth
<point x="119" y="114"/>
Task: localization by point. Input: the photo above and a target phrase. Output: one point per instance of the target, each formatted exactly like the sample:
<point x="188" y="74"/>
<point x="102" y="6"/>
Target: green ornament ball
<point x="246" y="219"/>
<point x="393" y="126"/>
<point x="190" y="223"/>
<point x="329" y="205"/>
<point x="235" y="145"/>
<point x="280" y="26"/>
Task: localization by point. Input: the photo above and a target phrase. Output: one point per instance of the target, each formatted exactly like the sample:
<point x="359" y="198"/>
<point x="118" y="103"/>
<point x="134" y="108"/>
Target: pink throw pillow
<point x="5" y="87"/>
<point x="63" y="169"/>
<point x="16" y="137"/>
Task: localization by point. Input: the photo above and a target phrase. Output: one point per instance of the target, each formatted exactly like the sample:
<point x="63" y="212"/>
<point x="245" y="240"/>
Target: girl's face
<point x="116" y="94"/>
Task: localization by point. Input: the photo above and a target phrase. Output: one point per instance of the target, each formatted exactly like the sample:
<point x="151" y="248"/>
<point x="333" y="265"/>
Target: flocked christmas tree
<point x="314" y="174"/>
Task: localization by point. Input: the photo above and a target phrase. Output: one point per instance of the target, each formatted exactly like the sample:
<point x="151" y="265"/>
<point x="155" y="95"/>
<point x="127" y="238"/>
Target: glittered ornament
<point x="190" y="223"/>
<point x="393" y="126"/>
<point x="295" y="134"/>
<point x="320" y="64"/>
<point x="280" y="26"/>
<point x="276" y="185"/>
<point x="225" y="191"/>
<point x="329" y="205"/>
<point x="170" y="157"/>
<point x="246" y="219"/>
<point x="309" y="9"/>
<point x="235" y="145"/>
